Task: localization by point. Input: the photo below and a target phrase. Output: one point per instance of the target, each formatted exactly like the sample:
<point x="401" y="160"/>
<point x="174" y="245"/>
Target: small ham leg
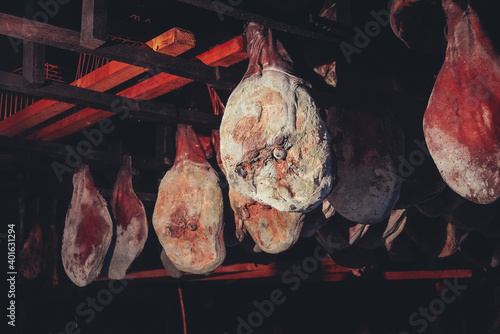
<point x="87" y="232"/>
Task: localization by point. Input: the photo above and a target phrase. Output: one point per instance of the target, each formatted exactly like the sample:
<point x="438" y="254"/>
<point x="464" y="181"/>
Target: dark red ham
<point x="188" y="214"/>
<point x="30" y="257"/>
<point x="418" y="23"/>
<point x="131" y="222"/>
<point x="87" y="231"/>
<point x="462" y="120"/>
<point x="51" y="248"/>
<point x="367" y="145"/>
<point x="274" y="145"/>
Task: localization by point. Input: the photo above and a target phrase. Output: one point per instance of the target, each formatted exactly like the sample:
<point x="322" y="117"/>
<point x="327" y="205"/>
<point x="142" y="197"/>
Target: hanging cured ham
<point x="30" y="257"/>
<point x="188" y="214"/>
<point x="462" y="120"/>
<point x="87" y="231"/>
<point x="274" y="145"/>
<point x="272" y="230"/>
<point x="131" y="222"/>
<point x="366" y="147"/>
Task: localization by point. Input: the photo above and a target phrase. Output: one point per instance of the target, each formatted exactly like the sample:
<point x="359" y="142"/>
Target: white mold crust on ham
<point x="188" y="214"/>
<point x="462" y="120"/>
<point x="131" y="222"/>
<point x="273" y="231"/>
<point x="88" y="230"/>
<point x="274" y="146"/>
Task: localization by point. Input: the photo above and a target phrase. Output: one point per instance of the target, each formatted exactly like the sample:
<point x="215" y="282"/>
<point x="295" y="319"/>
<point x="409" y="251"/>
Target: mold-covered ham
<point x="87" y="231"/>
<point x="274" y="145"/>
<point x="188" y="214"/>
<point x="272" y="230"/>
<point x="367" y="146"/>
<point x="462" y="120"/>
<point x="131" y="222"/>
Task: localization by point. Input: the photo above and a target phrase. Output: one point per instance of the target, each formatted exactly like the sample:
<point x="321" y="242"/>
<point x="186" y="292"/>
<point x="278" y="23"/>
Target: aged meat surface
<point x="131" y="222"/>
<point x="272" y="230"/>
<point x="30" y="257"/>
<point x="366" y="147"/>
<point x="188" y="215"/>
<point x="462" y="120"/>
<point x="274" y="145"/>
<point x="51" y="247"/>
<point x="87" y="231"/>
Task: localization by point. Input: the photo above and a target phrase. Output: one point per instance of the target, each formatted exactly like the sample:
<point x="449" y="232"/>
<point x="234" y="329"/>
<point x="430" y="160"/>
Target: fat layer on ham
<point x="87" y="231"/>
<point x="188" y="214"/>
<point x="274" y="146"/>
<point x="462" y="120"/>
<point x="131" y="222"/>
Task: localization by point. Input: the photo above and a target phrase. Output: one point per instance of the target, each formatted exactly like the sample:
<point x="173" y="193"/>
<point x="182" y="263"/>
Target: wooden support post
<point x="94" y="18"/>
<point x="33" y="64"/>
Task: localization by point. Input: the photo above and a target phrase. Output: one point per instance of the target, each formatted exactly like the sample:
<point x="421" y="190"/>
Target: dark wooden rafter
<point x="33" y="64"/>
<point x="226" y="54"/>
<point x="67" y="39"/>
<point x="94" y="19"/>
<point x="146" y="110"/>
<point x="336" y="37"/>
<point x="60" y="152"/>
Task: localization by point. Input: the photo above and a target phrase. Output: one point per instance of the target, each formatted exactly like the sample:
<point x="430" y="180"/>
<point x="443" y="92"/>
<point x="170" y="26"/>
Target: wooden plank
<point x="173" y="42"/>
<point x="246" y="16"/>
<point x="428" y="274"/>
<point x="226" y="54"/>
<point x="147" y="110"/>
<point x="94" y="19"/>
<point x="325" y="274"/>
<point x="70" y="40"/>
<point x="33" y="64"/>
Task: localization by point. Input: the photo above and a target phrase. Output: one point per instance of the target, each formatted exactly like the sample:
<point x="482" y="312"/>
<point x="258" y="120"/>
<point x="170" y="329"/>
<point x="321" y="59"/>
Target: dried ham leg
<point x="366" y="147"/>
<point x="51" y="248"/>
<point x="30" y="257"/>
<point x="272" y="230"/>
<point x="87" y="232"/>
<point x="188" y="215"/>
<point x="462" y="120"/>
<point x="274" y="146"/>
<point x="131" y="222"/>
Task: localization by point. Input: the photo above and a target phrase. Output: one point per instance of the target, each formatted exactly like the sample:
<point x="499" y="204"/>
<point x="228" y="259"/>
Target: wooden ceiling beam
<point x="33" y="63"/>
<point x="70" y="40"/>
<point x="146" y="110"/>
<point x="94" y="19"/>
<point x="226" y="54"/>
<point x="173" y="42"/>
<point x="226" y="10"/>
